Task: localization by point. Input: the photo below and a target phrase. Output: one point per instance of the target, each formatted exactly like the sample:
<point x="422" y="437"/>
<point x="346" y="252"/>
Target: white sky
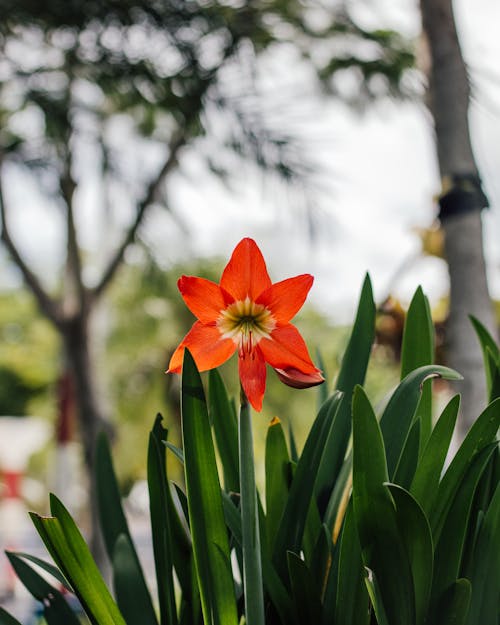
<point x="383" y="176"/>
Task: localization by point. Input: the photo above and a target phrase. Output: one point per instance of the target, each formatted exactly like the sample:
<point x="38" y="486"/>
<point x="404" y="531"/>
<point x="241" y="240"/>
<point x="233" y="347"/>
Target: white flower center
<point x="246" y="323"/>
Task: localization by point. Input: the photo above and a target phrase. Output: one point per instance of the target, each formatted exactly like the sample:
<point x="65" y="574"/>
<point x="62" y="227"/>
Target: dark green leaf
<point x="491" y="351"/>
<point x="46" y="566"/>
<point x="290" y="533"/>
<point x="415" y="532"/>
<point x="225" y="428"/>
<point x="161" y="517"/>
<point x="449" y="550"/>
<point x="481" y="434"/>
<point x="305" y="592"/>
<point x="114" y="524"/>
<point x="277" y="465"/>
<point x="55" y="608"/>
<point x="206" y="515"/>
<point x="426" y="480"/>
<point x="128" y="582"/>
<point x="484" y="571"/>
<point x="381" y="543"/>
<point x="352" y="372"/>
<point x="454" y="606"/>
<point x="399" y="414"/>
<point x="407" y="464"/>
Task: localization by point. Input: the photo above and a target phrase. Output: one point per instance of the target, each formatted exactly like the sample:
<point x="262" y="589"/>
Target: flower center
<point x="246" y="323"/>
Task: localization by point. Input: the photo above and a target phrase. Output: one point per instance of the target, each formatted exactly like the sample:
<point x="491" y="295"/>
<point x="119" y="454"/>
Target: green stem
<point x="252" y="568"/>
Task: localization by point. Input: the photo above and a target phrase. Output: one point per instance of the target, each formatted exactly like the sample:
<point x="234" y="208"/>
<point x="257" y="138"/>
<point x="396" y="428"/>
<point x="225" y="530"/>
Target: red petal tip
<point x="296" y="379"/>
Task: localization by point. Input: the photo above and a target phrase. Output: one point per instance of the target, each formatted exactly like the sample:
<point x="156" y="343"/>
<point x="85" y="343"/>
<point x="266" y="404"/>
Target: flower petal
<point x="246" y="272"/>
<point x="286" y="349"/>
<point x="207" y="346"/>
<point x="203" y="297"/>
<point x="284" y="299"/>
<point x="297" y="379"/>
<point x="252" y="369"/>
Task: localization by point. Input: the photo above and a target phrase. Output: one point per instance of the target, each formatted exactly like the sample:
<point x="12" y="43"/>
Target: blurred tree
<point x="461" y="202"/>
<point x="110" y="94"/>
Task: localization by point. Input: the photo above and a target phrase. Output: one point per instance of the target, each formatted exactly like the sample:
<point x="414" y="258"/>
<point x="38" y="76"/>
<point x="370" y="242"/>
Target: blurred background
<point x="140" y="140"/>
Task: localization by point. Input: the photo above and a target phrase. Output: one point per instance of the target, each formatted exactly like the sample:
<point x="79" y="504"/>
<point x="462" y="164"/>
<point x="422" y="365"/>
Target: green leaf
<point x="161" y="522"/>
<point x="69" y="551"/>
<point x="454" y="606"/>
<point x="208" y="529"/>
<point x="399" y="413"/>
<point x="449" y="551"/>
<point x="46" y="566"/>
<point x="291" y="529"/>
<point x="417" y="539"/>
<point x="408" y="460"/>
<point x="491" y="351"/>
<point x="376" y="597"/>
<point x="114" y="524"/>
<point x="277" y="468"/>
<point x="417" y="350"/>
<point x="352" y="372"/>
<point x="426" y="479"/>
<point x="252" y="566"/>
<point x="481" y="434"/>
<point x="225" y="429"/>
<point x="55" y="608"/>
<point x="484" y="571"/>
<point x="7" y="619"/>
<point x="374" y="510"/>
<point x="351" y="605"/>
<point x="305" y="592"/>
<point x="128" y="581"/>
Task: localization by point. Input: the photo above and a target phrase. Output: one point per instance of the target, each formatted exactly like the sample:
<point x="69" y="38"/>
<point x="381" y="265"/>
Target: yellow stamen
<point x="246" y="323"/>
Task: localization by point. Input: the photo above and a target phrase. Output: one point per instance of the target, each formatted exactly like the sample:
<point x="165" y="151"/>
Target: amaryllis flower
<point x="248" y="314"/>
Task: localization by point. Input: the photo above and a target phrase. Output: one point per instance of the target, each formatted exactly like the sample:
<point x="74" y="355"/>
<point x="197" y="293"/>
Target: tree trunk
<point x="91" y="421"/>
<point x="461" y="203"/>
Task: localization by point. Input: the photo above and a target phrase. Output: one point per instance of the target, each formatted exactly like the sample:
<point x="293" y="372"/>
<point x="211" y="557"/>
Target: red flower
<point x="246" y="312"/>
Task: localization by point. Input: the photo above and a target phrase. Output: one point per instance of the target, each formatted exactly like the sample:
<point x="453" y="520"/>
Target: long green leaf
<point x="69" y="551"/>
<point x="55" y="608"/>
<point x="127" y="582"/>
<point x="399" y="413"/>
<point x="417" y="350"/>
<point x="305" y="592"/>
<point x="351" y="605"/>
<point x="225" y="426"/>
<point x="161" y="523"/>
<point x="426" y="479"/>
<point x="277" y="467"/>
<point x="416" y="534"/>
<point x="484" y="572"/>
<point x="382" y="547"/>
<point x="491" y="351"/>
<point x="291" y="529"/>
<point x="352" y="372"/>
<point x="46" y="566"/>
<point x="114" y="524"/>
<point x="206" y="516"/>
<point x="481" y="434"/>
<point x="454" y="606"/>
<point x="449" y="551"/>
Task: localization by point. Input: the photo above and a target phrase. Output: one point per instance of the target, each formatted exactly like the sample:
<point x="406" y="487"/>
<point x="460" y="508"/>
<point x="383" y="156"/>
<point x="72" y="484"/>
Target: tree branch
<point x="178" y="140"/>
<point x="49" y="306"/>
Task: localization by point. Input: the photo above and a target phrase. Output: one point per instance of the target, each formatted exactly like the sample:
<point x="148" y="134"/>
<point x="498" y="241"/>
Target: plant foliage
<point x="368" y="525"/>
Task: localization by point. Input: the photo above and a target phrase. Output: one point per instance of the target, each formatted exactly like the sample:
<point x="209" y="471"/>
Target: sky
<point x="379" y="178"/>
